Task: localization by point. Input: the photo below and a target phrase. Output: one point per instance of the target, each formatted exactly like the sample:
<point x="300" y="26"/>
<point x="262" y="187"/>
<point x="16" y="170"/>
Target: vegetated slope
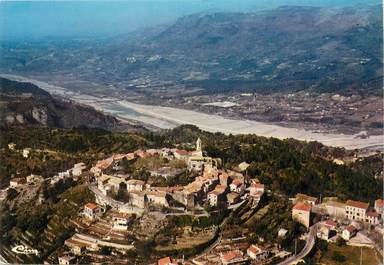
<point x="27" y="104"/>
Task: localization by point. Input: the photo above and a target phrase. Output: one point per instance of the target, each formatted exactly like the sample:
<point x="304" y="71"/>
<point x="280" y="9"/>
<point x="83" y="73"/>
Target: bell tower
<point x="198" y="145"/>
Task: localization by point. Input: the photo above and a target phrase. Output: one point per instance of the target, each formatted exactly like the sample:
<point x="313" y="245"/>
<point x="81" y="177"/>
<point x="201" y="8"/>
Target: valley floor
<point x="169" y="117"/>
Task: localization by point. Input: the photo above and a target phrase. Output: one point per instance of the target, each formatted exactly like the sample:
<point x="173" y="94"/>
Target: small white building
<point x="157" y="197"/>
<point x="301" y="212"/>
<point x="256" y="253"/>
<point x="233" y="198"/>
<point x="372" y="218"/>
<point x="78" y="168"/>
<point x="17" y="182"/>
<point x="181" y="154"/>
<point x="232" y="257"/>
<point x="300" y="197"/>
<point x="282" y="233"/>
<point x="237" y="185"/>
<point x="243" y="166"/>
<point x="34" y="179"/>
<point x="135" y="185"/>
<point x="92" y="210"/>
<point x="12" y="146"/>
<point x="325" y="232"/>
<point x="26" y="152"/>
<point x="137" y="198"/>
<point x="335" y="209"/>
<point x="215" y="197"/>
<point x="379" y="206"/>
<point x="120" y="221"/>
<point x="349" y="232"/>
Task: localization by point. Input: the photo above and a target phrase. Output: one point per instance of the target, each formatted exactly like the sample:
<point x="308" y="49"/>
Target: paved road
<point x="220" y="236"/>
<point x="305" y="251"/>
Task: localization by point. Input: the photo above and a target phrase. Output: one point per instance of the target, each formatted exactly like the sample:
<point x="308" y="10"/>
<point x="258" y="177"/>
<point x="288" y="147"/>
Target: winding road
<point x="310" y="243"/>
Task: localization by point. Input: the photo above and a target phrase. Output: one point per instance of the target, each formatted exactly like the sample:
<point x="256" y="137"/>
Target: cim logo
<point x="25" y="250"/>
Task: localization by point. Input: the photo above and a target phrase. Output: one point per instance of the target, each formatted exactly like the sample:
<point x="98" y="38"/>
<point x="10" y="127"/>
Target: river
<point x="167" y="117"/>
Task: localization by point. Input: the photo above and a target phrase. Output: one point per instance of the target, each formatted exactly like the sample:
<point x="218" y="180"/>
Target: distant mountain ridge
<point x="285" y="49"/>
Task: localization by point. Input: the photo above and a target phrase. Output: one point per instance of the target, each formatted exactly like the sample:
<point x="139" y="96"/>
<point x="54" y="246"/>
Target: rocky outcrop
<point x="27" y="104"/>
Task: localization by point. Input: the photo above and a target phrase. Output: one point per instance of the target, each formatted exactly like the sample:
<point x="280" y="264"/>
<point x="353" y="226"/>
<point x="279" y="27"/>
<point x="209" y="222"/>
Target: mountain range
<point x="286" y="49"/>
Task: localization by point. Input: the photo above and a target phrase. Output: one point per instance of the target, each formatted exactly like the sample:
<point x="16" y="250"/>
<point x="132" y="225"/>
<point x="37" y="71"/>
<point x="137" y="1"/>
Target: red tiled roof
<point x="350" y="228"/>
<point x="237" y="182"/>
<point x="302" y="196"/>
<point x="156" y="193"/>
<point x="330" y="223"/>
<point x="220" y="188"/>
<point x="164" y="261"/>
<point x="91" y="205"/>
<point x="372" y="214"/>
<point x="254" y="249"/>
<point x="231" y="255"/>
<point x="302" y="207"/>
<point x="357" y="204"/>
<point x="215" y="192"/>
<point x="181" y="152"/>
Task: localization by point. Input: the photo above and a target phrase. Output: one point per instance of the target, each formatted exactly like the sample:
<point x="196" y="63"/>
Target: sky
<point x="83" y="19"/>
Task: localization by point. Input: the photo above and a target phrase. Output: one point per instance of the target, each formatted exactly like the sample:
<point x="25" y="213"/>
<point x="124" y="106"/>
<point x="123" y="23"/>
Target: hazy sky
<point x="105" y="18"/>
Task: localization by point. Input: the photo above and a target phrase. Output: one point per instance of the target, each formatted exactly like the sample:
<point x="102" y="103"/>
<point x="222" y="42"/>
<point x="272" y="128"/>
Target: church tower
<point x="198" y="145"/>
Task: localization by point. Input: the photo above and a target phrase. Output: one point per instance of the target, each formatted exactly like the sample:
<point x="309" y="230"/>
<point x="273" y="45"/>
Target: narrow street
<point x="307" y="248"/>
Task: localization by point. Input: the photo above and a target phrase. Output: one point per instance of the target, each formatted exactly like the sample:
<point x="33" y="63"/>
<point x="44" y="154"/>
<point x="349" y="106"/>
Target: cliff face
<point x="27" y="104"/>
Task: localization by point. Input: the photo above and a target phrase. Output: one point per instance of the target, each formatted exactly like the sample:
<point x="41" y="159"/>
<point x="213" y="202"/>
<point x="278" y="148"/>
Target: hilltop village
<point x="188" y="200"/>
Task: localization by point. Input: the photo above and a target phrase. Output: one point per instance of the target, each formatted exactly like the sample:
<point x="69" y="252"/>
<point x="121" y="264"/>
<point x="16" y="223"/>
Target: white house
<point x="120" y="221"/>
<point x="372" y="218"/>
<point x="256" y="253"/>
<point x="26" y="152"/>
<point x="135" y="185"/>
<point x="181" y="154"/>
<point x="233" y="198"/>
<point x="137" y="198"/>
<point x="356" y="210"/>
<point x="300" y="197"/>
<point x="92" y="210"/>
<point x="34" y="179"/>
<point x="11" y="146"/>
<point x="301" y="212"/>
<point x="232" y="257"/>
<point x="379" y="206"/>
<point x="17" y="182"/>
<point x="349" y="232"/>
<point x="335" y="209"/>
<point x="78" y="168"/>
<point x="216" y="197"/>
<point x="237" y="185"/>
<point x="157" y="197"/>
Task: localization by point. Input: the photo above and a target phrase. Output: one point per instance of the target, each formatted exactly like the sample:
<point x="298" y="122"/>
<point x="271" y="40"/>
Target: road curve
<point x="310" y="243"/>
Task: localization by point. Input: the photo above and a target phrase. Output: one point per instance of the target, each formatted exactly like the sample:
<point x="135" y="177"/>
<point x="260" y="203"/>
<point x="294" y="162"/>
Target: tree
<point x="106" y="251"/>
<point x="337" y="256"/>
<point x="340" y="241"/>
